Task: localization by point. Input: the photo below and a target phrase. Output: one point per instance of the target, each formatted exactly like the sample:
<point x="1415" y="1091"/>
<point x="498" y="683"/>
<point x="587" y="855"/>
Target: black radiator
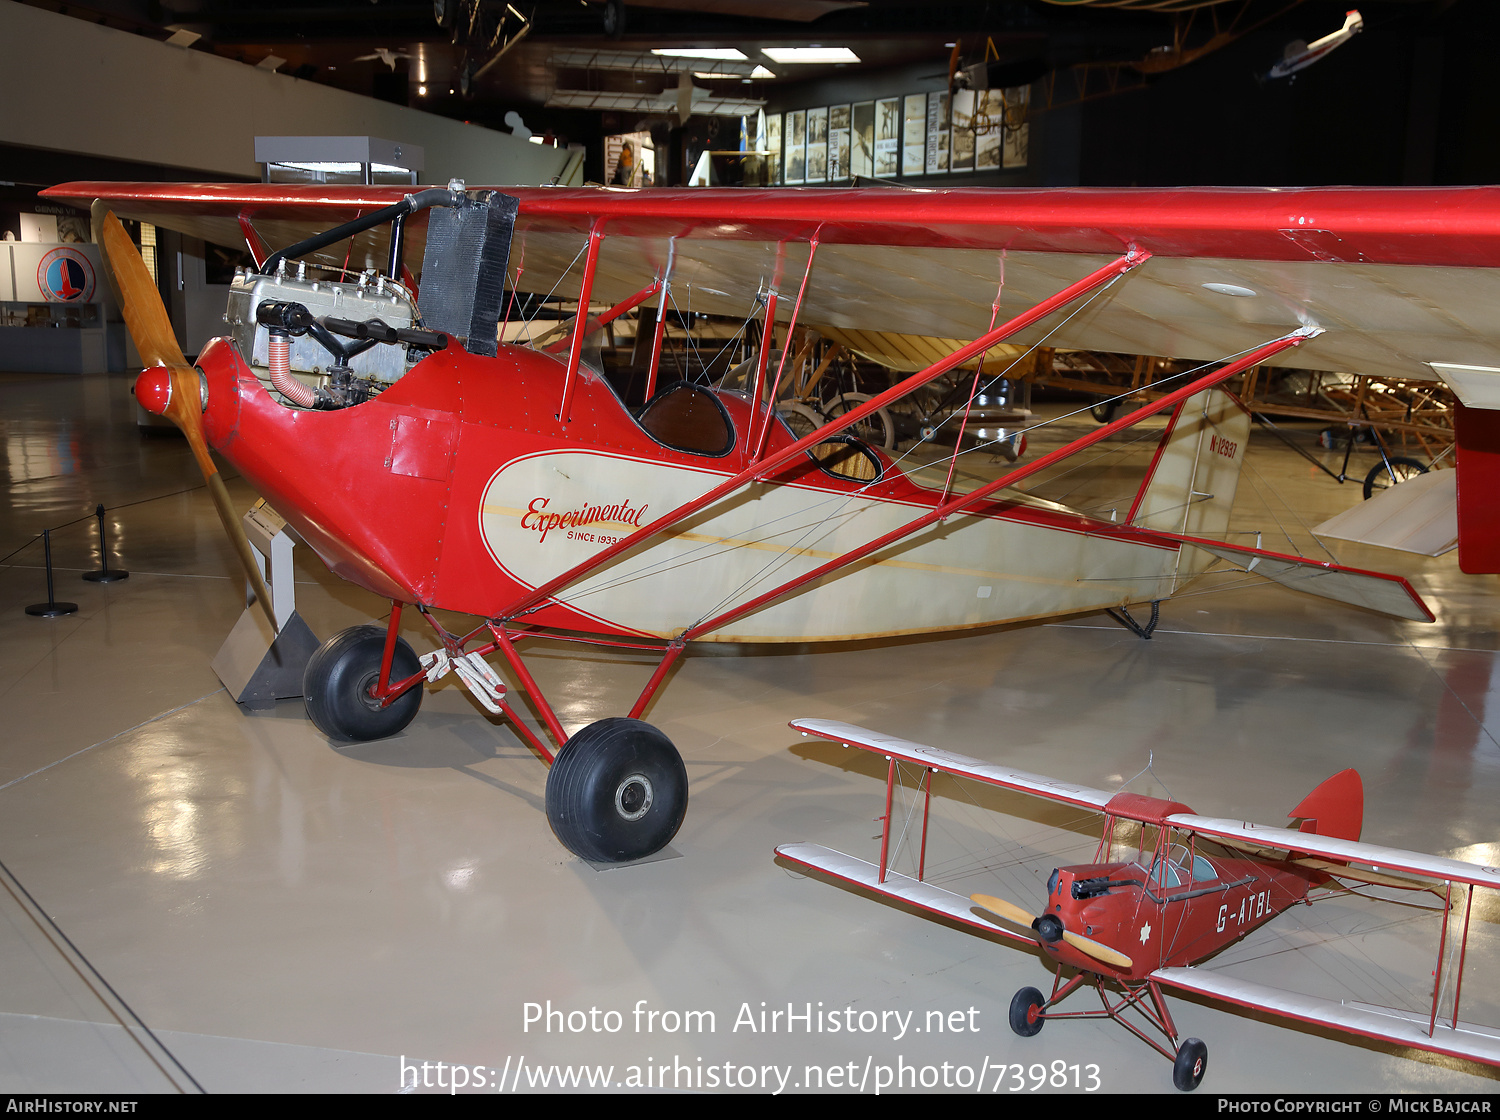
<point x="463" y="268"/>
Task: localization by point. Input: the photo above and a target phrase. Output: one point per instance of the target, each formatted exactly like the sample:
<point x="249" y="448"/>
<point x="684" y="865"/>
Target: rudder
<point x="1190" y="486"/>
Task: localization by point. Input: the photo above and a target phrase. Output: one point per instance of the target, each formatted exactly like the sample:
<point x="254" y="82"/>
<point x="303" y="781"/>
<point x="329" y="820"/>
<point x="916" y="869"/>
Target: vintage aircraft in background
<point x="1301" y="54"/>
<point x="430" y="465"/>
<point x="1168" y="889"/>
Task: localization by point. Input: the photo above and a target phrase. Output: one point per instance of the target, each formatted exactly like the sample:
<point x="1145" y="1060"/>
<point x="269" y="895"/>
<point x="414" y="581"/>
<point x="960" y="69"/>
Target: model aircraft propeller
<point x="1086" y="945"/>
<point x="169" y="386"/>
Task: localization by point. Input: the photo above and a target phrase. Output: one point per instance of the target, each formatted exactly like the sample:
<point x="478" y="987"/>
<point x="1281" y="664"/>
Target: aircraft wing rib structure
<point x="1377" y="856"/>
<point x="900" y="888"/>
<point x="1404" y="1028"/>
<point x="937" y="759"/>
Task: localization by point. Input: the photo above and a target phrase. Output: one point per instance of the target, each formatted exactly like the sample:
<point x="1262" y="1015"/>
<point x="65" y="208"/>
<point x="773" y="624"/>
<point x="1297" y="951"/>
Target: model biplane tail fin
<point x="1335" y="808"/>
<point x="1190" y="485"/>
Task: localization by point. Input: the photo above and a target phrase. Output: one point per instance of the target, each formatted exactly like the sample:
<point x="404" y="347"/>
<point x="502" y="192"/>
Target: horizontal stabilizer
<point x="1374" y="591"/>
<point x="902" y="888"/>
<point x="1420" y="515"/>
<point x="949" y="763"/>
<point x="1404" y="1028"/>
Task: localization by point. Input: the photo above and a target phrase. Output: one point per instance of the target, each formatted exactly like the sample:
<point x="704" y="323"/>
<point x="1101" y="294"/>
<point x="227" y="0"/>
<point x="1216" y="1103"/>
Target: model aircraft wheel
<point x="1190" y="1066"/>
<point x="1392" y="472"/>
<point x="1026" y="1017"/>
<point x="338" y="680"/>
<point x="617" y="791"/>
<point x="1105" y="410"/>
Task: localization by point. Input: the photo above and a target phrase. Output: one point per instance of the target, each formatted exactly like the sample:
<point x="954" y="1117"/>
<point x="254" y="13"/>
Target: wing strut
<point x="959" y="503"/>
<point x="575" y="351"/>
<point x="774" y="462"/>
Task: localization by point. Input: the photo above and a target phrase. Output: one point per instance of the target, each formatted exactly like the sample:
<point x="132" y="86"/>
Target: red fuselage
<point x="388" y="492"/>
<point x="1170" y="906"/>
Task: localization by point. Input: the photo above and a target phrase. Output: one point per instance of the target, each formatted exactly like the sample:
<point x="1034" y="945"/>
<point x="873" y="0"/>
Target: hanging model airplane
<point x="1146" y="913"/>
<point x="431" y="466"/>
<point x="1301" y="54"/>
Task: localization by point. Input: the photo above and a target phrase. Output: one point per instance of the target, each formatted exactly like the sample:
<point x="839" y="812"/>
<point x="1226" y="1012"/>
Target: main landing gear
<point x="1028" y="1014"/>
<point x="618" y="789"/>
<point x="339" y="682"/>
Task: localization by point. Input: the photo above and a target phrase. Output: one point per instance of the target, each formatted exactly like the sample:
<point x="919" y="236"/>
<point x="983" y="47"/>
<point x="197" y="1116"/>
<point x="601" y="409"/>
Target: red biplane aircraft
<point x="430" y="465"/>
<point x="1173" y="891"/>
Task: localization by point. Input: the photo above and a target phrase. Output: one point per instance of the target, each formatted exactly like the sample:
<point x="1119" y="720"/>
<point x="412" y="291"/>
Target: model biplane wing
<point x="1400" y="282"/>
<point x="938" y="759"/>
<point x="1404" y="1028"/>
<point x="1375" y="856"/>
<point x="1363" y="863"/>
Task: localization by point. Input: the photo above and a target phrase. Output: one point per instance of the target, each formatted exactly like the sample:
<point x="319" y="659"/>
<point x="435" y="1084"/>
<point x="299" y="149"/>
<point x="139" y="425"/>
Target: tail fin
<point x="1336" y="808"/>
<point x="1190" y="485"/>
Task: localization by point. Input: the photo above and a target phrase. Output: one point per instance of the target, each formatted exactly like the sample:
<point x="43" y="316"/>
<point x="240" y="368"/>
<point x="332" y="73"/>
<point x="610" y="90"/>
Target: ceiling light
<point x="809" y="54"/>
<point x="183" y="38"/>
<point x="421" y="91"/>
<point x="701" y="52"/>
<point x="762" y="72"/>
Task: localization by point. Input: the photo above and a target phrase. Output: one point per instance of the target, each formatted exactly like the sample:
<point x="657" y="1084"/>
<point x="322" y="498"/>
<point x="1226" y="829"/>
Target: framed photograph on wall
<point x="817" y="146"/>
<point x="937" y="133"/>
<point x="794" y="153"/>
<point x="862" y="140"/>
<point x="914" y="134"/>
<point x="887" y="137"/>
<point x="1016" y="149"/>
<point x="838" y="143"/>
<point x="989" y="129"/>
<point x="773" y="148"/>
<point x="962" y="154"/>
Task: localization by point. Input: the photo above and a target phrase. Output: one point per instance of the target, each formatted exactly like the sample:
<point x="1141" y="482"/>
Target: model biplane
<point x="1166" y="891"/>
<point x="432" y="466"/>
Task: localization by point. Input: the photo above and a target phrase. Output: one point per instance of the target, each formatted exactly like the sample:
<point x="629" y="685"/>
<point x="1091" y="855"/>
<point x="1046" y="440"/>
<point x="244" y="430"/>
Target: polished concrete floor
<point x="200" y="896"/>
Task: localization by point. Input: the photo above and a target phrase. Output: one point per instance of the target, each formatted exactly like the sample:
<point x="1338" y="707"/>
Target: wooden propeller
<point x="1086" y="945"/>
<point x="171" y="387"/>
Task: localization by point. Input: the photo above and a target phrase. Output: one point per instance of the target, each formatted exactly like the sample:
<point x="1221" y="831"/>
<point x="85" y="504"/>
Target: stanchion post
<point x="105" y="574"/>
<point x="51" y="608"/>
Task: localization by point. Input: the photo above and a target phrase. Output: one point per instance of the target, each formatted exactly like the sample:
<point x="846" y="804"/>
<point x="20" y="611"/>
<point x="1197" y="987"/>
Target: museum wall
<point x="71" y="86"/>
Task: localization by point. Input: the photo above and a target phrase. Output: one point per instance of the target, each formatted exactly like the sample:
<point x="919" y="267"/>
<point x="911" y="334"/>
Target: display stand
<point x="259" y="667"/>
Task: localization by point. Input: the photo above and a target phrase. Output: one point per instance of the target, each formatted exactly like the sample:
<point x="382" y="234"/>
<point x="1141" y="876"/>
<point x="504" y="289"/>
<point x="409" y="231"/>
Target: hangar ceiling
<point x="401" y="50"/>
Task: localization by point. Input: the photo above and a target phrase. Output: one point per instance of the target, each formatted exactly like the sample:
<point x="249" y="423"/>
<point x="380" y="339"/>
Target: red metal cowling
<point x="326" y="473"/>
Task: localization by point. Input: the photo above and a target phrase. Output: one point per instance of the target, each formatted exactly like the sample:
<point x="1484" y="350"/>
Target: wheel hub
<point x="633" y="797"/>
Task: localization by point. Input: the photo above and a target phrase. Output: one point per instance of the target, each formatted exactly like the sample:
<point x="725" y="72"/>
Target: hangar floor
<point x="286" y="916"/>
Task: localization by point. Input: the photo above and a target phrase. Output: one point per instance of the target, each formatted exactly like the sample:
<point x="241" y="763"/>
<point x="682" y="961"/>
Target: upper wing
<point x="1376" y="856"/>
<point x="1400" y="279"/>
<point x="948" y="762"/>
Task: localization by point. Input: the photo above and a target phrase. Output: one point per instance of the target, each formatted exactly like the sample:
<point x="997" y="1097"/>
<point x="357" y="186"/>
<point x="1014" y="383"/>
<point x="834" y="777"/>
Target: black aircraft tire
<point x="338" y="679"/>
<point x="1026" y="1017"/>
<point x="1190" y="1066"/>
<point x="1383" y="477"/>
<point x="1104" y="410"/>
<point x="617" y="791"/>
